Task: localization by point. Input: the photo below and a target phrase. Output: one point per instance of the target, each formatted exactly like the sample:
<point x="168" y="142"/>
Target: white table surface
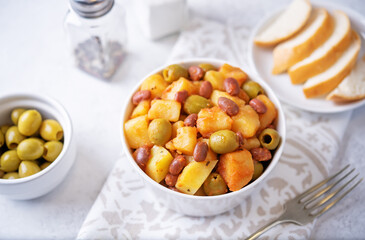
<point x="34" y="57"/>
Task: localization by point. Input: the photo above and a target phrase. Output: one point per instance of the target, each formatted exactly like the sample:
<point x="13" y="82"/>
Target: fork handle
<point x="266" y="227"/>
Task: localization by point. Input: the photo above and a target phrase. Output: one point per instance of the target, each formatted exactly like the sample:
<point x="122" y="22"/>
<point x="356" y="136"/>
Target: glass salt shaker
<point x="96" y="35"/>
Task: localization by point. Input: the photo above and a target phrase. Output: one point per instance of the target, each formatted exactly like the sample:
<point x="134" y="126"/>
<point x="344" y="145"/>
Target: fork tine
<point x="328" y="188"/>
<point x="315" y="187"/>
<point x="329" y="206"/>
<point x="331" y="195"/>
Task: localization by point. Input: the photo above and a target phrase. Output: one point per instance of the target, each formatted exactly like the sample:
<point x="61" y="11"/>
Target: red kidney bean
<point x="190" y="121"/>
<point x="228" y="106"/>
<point x="181" y="96"/>
<point x="196" y="73"/>
<point x="177" y="165"/>
<point x="206" y="89"/>
<point x="261" y="154"/>
<point x="141" y="156"/>
<point x="231" y="86"/>
<point x="240" y="138"/>
<point x="171" y="180"/>
<point x="200" y="151"/>
<point x="258" y="105"/>
<point x="140" y="96"/>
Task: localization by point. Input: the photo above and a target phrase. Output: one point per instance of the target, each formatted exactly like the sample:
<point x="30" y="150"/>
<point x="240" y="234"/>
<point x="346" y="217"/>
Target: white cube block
<point x="159" y="18"/>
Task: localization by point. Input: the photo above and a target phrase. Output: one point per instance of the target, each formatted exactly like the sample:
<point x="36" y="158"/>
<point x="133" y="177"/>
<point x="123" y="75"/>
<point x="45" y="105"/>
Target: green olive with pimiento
<point x="9" y="161"/>
<point x="45" y="165"/>
<point x="269" y="138"/>
<point x="195" y="103"/>
<point x="51" y="150"/>
<point x="29" y="122"/>
<point x="258" y="170"/>
<point x="252" y="89"/>
<point x="174" y="72"/>
<point x="223" y="141"/>
<point x="11" y="175"/>
<point x="51" y="130"/>
<point x="159" y="131"/>
<point x="13" y="137"/>
<point x="28" y="168"/>
<point x="2" y="139"/>
<point x="30" y="149"/>
<point x="207" y="67"/>
<point x="15" y="115"/>
<point x="214" y="185"/>
<point x="4" y="128"/>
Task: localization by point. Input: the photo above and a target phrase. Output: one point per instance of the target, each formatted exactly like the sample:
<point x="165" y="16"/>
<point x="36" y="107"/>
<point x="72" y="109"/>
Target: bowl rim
<point x="212" y="61"/>
<point x="67" y="137"/>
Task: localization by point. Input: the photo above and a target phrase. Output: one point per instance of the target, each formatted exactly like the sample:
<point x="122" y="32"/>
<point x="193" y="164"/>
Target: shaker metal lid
<point x="91" y="8"/>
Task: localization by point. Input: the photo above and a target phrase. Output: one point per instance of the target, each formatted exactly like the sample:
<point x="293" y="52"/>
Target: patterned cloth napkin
<point x="125" y="209"/>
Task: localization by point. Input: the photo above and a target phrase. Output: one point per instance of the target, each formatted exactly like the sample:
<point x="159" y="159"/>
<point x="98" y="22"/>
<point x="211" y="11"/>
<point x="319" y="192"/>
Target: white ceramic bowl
<point x="202" y="205"/>
<point x="46" y="180"/>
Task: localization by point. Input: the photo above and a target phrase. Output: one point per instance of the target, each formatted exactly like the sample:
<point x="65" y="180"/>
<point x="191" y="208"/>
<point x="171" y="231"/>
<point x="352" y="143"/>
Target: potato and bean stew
<point x="202" y="130"/>
<point x="28" y="145"/>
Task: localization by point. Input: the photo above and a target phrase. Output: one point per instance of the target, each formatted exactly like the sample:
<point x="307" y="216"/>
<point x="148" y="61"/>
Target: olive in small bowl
<point x="33" y="166"/>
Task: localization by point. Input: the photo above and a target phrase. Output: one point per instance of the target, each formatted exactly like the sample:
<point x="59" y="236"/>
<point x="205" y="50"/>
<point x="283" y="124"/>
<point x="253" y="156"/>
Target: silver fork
<point x="312" y="203"/>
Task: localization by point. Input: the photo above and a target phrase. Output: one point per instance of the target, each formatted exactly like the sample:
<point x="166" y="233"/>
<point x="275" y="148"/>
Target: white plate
<point x="260" y="60"/>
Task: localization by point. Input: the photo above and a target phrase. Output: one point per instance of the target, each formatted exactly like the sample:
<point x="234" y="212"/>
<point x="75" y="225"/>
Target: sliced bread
<point x="327" y="54"/>
<point x="352" y="88"/>
<point x="328" y="80"/>
<point x="286" y="25"/>
<point x="317" y="30"/>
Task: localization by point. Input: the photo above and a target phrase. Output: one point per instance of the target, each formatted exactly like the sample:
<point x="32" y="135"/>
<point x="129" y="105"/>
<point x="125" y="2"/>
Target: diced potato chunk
<point x="185" y="140"/>
<point x="168" y="109"/>
<point x="194" y="175"/>
<point x="233" y="72"/>
<point x="236" y="168"/>
<point x="211" y="120"/>
<point x="136" y="131"/>
<point x="170" y="146"/>
<point x="179" y="85"/>
<point x="216" y="79"/>
<point x="250" y="143"/>
<point x="155" y="84"/>
<point x="246" y="121"/>
<point x="216" y="94"/>
<point x="158" y="165"/>
<point x="141" y="109"/>
<point x="268" y="117"/>
<point x="175" y="126"/>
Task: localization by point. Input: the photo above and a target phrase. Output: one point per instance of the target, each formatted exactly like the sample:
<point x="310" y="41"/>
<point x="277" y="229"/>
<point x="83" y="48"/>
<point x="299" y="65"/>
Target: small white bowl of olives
<point x="36" y="145"/>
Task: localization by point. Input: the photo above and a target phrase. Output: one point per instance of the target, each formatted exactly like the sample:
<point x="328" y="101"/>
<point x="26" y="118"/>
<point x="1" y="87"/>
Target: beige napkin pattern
<point x="125" y="209"/>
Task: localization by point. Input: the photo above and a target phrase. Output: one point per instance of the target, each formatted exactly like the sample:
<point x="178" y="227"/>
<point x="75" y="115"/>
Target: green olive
<point x="45" y="165"/>
<point x="269" y="138"/>
<point x="13" y="137"/>
<point x="195" y="103"/>
<point x="252" y="89"/>
<point x="51" y="150"/>
<point x="159" y="131"/>
<point x="30" y="149"/>
<point x="9" y="161"/>
<point x="214" y="185"/>
<point x="223" y="141"/>
<point x="258" y="169"/>
<point x="51" y="130"/>
<point x="2" y="139"/>
<point x="15" y="114"/>
<point x="4" y="128"/>
<point x="11" y="175"/>
<point x="29" y="122"/>
<point x="28" y="168"/>
<point x="207" y="67"/>
<point x="174" y="72"/>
